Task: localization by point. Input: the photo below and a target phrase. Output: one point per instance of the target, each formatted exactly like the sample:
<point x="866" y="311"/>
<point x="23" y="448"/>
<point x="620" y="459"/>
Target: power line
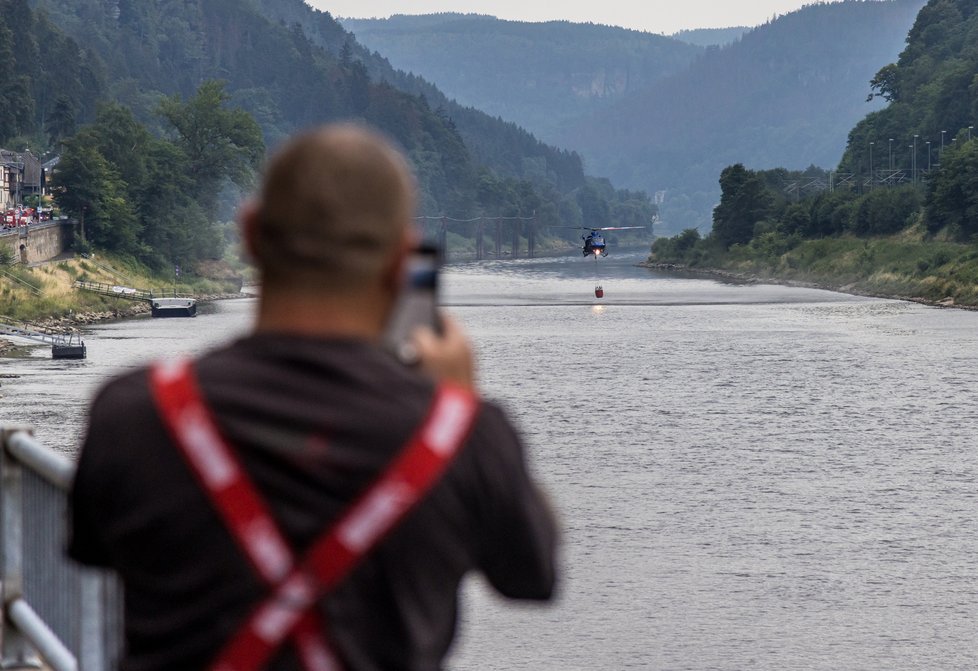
<point x="465" y="221"/>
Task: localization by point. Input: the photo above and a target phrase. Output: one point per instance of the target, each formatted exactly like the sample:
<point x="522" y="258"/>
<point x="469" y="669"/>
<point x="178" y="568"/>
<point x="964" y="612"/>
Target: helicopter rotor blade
<point x="606" y="228"/>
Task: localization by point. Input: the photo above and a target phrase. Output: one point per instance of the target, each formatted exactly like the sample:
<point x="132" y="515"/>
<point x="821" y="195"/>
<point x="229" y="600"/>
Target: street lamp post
<point x="891" y="154"/>
<point x="928" y="157"/>
<point x="942" y="142"/>
<point x="970" y="128"/>
<point x="915" y="158"/>
<point x="871" y="165"/>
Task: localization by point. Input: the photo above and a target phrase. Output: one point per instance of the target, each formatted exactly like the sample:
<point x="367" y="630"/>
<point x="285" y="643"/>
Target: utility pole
<point x="871" y="165"/>
<point x="915" y="158"/>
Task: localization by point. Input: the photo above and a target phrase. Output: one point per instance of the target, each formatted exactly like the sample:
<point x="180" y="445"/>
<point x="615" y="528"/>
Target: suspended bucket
<point x="598" y="292"/>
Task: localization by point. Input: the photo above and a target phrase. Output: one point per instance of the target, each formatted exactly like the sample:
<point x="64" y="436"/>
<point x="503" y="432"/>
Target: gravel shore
<point x="73" y="323"/>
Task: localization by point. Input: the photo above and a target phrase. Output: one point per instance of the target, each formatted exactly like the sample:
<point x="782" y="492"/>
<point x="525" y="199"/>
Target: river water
<point x="747" y="477"/>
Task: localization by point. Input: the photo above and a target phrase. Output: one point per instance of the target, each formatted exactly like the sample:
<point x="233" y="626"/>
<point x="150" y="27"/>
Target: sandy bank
<point x="751" y="278"/>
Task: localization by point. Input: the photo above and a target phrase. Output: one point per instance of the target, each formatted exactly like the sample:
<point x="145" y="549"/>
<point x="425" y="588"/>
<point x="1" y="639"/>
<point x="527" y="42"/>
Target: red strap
<point x="289" y="611"/>
<point x="217" y="468"/>
<point x="219" y="472"/>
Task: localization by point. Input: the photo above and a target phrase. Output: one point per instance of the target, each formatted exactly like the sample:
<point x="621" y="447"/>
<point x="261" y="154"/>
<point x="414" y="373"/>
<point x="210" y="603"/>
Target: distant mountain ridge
<point x="510" y="150"/>
<point x="709" y="37"/>
<point x="543" y="76"/>
<point x="784" y="94"/>
<point x="291" y="67"/>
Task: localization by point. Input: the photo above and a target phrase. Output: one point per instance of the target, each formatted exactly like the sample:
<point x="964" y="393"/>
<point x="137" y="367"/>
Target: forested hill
<point x="786" y="94"/>
<point x="46" y="78"/>
<point x="539" y="75"/>
<point x="932" y="89"/>
<point x="292" y="66"/>
<point x="903" y="224"/>
<point x="508" y="149"/>
<point x="709" y="37"/>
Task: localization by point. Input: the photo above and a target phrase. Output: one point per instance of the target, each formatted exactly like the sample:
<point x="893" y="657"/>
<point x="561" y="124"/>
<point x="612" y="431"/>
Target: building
<point x="21" y="176"/>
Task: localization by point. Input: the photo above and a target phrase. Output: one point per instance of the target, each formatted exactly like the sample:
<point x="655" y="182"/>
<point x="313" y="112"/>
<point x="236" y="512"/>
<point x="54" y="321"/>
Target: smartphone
<point x="417" y="305"/>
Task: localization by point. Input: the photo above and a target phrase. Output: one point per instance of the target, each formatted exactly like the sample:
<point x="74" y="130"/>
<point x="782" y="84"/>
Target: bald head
<point x="335" y="206"/>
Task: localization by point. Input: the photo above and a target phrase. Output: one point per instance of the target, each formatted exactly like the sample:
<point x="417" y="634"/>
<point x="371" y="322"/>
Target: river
<point x="747" y="476"/>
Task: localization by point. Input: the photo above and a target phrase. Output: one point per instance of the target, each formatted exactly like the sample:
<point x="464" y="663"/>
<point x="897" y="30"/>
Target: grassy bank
<point x="903" y="266"/>
<point x="46" y="291"/>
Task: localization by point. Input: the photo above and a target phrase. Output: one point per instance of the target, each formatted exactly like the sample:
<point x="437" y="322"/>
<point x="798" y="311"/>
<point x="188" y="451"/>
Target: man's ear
<point x="393" y="277"/>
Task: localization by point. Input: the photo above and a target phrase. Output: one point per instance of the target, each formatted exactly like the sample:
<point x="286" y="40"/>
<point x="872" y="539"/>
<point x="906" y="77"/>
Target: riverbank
<point x="908" y="266"/>
<point x="74" y="323"/>
<point x="43" y="297"/>
<point x="851" y="288"/>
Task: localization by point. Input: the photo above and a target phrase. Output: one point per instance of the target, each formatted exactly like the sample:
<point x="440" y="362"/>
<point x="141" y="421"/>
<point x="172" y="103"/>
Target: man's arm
<point x="446" y="357"/>
<point x="518" y="546"/>
<point x="89" y="489"/>
<point x="517" y="530"/>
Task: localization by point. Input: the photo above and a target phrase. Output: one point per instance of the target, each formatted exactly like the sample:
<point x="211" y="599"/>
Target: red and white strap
<point x="296" y="586"/>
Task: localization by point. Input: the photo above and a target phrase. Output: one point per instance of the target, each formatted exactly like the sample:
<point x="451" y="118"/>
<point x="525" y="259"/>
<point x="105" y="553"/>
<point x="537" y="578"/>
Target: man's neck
<point x="357" y="315"/>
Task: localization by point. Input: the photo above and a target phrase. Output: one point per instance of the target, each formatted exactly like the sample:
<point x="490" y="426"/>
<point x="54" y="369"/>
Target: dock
<point x="163" y="302"/>
<point x="63" y="346"/>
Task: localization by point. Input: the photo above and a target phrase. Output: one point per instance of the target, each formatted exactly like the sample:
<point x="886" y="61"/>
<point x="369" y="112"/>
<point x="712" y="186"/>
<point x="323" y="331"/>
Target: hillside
<point x="542" y="76"/>
<point x="786" y="94"/>
<point x="291" y="66"/>
<point x="710" y="37"/>
<point x="48" y="81"/>
<point x="792" y="89"/>
<point x="931" y="91"/>
<point x="502" y="146"/>
<point x="907" y="231"/>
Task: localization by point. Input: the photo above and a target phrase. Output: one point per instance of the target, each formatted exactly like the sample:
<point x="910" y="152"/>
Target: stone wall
<point x="38" y="242"/>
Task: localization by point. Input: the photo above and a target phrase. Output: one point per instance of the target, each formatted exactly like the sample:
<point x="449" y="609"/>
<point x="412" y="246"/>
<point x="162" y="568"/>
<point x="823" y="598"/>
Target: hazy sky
<point x="656" y="16"/>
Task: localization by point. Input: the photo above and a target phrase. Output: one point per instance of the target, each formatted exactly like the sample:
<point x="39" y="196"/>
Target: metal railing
<point x="53" y="609"/>
<point x="129" y="293"/>
<point x="34" y="289"/>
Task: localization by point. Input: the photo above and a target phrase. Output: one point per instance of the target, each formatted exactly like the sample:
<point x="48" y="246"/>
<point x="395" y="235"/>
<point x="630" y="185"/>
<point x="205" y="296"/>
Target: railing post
<point x="15" y="651"/>
<point x="516" y="239"/>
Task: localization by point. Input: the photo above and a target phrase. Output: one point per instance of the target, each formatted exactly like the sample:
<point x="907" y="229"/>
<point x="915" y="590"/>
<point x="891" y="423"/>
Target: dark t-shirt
<point x="314" y="423"/>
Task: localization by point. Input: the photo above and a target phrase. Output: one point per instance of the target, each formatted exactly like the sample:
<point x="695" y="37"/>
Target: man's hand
<point x="448" y="356"/>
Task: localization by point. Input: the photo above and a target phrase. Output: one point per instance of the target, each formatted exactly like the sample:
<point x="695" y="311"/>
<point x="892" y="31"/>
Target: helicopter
<point x="594" y="242"/>
<point x="595" y="245"/>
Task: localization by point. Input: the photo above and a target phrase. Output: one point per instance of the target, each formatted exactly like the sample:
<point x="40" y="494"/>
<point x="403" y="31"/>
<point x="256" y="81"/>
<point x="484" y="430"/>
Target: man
<point x="256" y="502"/>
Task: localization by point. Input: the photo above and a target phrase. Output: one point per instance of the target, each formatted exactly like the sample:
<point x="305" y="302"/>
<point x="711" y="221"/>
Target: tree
<point x="90" y="188"/>
<point x="743" y="202"/>
<point x="221" y="144"/>
<point x="16" y="103"/>
<point x="61" y="122"/>
<point x="594" y="208"/>
<point x="885" y="84"/>
<point x="885" y="211"/>
<point x="952" y="199"/>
